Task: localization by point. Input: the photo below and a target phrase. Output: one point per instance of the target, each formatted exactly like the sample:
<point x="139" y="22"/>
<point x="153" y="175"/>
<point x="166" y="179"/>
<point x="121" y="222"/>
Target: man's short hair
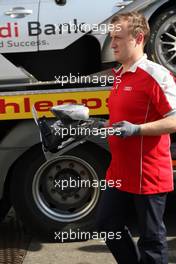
<point x="137" y="23"/>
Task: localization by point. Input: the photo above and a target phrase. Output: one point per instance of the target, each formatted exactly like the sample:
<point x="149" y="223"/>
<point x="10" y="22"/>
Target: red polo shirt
<point x="146" y="93"/>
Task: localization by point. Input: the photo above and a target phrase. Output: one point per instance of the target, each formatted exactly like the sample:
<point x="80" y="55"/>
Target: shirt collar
<point x="133" y="67"/>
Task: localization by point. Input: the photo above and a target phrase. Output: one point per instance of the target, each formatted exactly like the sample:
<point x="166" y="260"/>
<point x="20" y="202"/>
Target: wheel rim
<point x="67" y="203"/>
<point x="165" y="44"/>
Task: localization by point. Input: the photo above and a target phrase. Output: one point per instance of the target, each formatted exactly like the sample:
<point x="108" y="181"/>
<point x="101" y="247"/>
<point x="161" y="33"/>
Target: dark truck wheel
<point x="161" y="46"/>
<point x="45" y="207"/>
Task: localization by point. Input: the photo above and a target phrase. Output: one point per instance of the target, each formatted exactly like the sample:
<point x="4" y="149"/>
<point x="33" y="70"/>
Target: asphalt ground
<point x="91" y="251"/>
<point x="18" y="246"/>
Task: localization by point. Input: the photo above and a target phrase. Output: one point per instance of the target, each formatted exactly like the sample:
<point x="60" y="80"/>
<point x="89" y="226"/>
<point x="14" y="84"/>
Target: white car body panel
<point x="75" y="12"/>
<point x="11" y="73"/>
<point x="49" y="15"/>
<point x="13" y="31"/>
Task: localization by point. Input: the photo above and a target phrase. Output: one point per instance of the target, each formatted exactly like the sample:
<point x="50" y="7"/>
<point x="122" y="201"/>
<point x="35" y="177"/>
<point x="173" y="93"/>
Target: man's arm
<point x="156" y="128"/>
<point x="163" y="126"/>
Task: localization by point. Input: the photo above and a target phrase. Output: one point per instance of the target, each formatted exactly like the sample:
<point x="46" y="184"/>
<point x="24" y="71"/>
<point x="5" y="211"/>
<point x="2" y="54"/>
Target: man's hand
<point x="126" y="128"/>
<point x="102" y="123"/>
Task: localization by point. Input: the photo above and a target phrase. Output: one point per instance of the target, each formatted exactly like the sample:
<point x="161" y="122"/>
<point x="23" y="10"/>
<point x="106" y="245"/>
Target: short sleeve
<point x="163" y="94"/>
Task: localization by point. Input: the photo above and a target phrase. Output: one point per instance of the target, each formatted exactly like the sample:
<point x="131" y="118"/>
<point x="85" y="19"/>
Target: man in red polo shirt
<point x="143" y="107"/>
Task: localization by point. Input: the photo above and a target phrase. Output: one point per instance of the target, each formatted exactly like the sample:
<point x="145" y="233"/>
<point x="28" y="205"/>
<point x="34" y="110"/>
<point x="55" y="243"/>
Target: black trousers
<point x="112" y="214"/>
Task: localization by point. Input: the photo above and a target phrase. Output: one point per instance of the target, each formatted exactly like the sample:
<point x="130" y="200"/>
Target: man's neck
<point x="126" y="66"/>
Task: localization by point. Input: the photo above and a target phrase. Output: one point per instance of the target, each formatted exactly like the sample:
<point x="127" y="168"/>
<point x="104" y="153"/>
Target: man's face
<point x="123" y="43"/>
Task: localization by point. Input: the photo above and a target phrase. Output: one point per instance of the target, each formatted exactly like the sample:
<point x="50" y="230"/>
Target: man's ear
<point x="139" y="38"/>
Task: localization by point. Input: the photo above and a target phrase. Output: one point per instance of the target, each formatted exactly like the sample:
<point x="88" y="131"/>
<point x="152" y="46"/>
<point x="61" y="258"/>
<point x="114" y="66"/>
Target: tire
<point x="45" y="209"/>
<point x="161" y="47"/>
